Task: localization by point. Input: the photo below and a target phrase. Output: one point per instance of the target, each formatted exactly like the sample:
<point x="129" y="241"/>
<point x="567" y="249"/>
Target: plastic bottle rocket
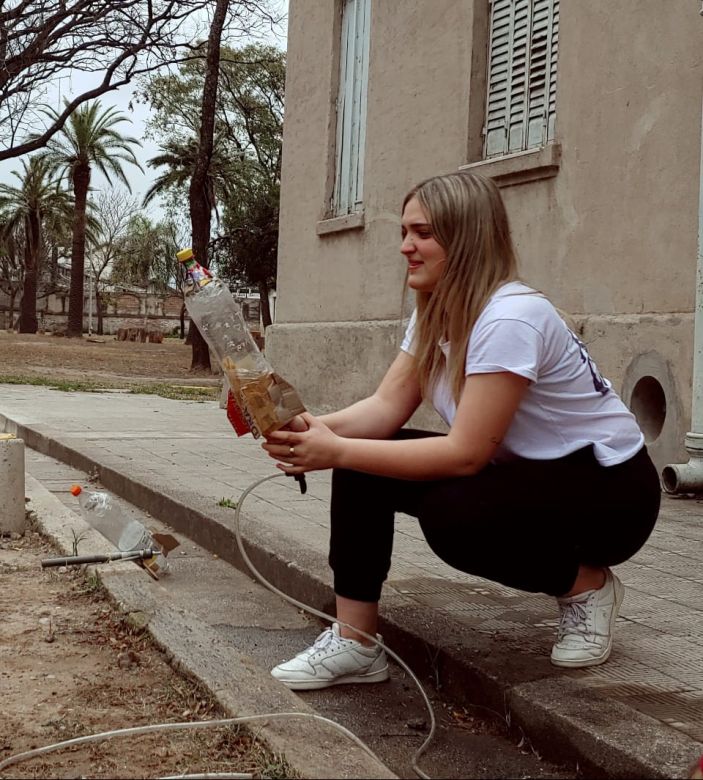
<point x="264" y="400"/>
<point x="126" y="534"/>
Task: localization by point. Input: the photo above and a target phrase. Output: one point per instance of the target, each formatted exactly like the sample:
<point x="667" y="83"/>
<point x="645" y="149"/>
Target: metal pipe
<point x="688" y="477"/>
<point x="78" y="560"/>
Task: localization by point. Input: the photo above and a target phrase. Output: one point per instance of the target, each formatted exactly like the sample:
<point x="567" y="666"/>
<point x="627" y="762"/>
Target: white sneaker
<point x="585" y="634"/>
<point x="333" y="660"/>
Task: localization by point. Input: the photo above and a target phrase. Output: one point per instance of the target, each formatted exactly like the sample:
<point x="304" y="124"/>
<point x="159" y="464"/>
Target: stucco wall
<point x="358" y="274"/>
<point x="615" y="230"/>
<point x="611" y="238"/>
<point x="352" y="280"/>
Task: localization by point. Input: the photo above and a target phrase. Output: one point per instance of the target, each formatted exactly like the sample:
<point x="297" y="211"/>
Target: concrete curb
<point x="311" y="748"/>
<point x="625" y="742"/>
<point x="563" y="719"/>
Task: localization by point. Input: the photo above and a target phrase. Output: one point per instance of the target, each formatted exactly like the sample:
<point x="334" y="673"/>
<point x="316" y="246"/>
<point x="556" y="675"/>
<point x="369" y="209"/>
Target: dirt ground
<point x="70" y="666"/>
<point x="100" y="359"/>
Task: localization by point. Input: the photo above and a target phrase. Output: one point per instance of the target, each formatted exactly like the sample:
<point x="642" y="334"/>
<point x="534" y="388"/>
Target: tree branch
<point x="42" y="39"/>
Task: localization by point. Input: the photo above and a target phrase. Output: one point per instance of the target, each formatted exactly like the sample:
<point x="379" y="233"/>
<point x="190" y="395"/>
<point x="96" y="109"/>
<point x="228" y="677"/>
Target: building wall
<point x="609" y="232"/>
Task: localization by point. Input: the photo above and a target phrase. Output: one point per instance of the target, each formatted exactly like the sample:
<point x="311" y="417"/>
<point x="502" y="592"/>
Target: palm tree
<point x="88" y="140"/>
<point x="179" y="158"/>
<point x="36" y="201"/>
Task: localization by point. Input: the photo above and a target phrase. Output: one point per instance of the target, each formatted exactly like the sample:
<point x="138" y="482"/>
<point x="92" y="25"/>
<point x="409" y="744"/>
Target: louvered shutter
<point x="554" y="50"/>
<point x="351" y="106"/>
<point x="540" y="71"/>
<point x="518" y="74"/>
<point x="499" y="69"/>
<point x="522" y="68"/>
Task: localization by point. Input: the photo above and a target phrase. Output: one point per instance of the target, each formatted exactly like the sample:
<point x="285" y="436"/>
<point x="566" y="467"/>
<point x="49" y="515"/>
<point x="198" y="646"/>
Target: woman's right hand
<point x="313" y="449"/>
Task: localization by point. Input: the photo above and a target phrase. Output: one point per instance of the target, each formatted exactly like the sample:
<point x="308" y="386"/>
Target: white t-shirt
<point x="568" y="404"/>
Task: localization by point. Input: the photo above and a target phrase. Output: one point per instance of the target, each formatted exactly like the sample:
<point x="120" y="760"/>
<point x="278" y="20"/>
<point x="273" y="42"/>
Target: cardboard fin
<point x="166" y="542"/>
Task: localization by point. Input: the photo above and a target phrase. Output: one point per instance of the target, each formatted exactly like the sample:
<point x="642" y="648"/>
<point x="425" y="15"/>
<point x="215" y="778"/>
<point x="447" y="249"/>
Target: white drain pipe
<point x="688" y="477"/>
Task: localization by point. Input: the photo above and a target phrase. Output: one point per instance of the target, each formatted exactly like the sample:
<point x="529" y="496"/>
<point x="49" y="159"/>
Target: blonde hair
<point x="469" y="221"/>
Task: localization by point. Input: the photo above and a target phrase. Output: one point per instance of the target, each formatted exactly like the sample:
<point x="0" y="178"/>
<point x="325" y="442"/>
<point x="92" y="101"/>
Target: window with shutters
<point x="522" y="73"/>
<point x="351" y="107"/>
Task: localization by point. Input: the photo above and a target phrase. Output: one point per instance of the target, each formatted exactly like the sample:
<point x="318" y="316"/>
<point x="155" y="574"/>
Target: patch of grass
<point x="278" y="768"/>
<point x="77" y="539"/>
<point x="227" y="502"/>
<point x="177" y="393"/>
<point x="67" y="386"/>
<point x="91" y="585"/>
<point x="32" y="520"/>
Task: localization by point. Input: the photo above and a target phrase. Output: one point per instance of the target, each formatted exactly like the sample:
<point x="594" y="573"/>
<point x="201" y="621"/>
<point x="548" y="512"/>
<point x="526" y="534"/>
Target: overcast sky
<point x="138" y="115"/>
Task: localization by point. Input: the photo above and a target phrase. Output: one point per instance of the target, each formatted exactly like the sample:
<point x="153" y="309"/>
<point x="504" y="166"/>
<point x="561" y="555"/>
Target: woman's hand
<point x="310" y="449"/>
<point x="297" y="424"/>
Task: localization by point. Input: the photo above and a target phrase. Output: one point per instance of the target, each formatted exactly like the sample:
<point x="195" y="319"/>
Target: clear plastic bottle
<point x="268" y="400"/>
<point x="101" y="512"/>
<point x="220" y="319"/>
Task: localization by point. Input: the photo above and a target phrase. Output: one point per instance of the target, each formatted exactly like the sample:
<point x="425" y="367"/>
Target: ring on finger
<point x="291" y="452"/>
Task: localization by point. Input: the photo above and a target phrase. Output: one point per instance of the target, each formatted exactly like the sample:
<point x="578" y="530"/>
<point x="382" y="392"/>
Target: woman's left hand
<point x="298" y="452"/>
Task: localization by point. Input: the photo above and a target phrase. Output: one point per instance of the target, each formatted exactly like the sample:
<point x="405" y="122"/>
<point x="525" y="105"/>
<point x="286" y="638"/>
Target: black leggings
<point x="528" y="524"/>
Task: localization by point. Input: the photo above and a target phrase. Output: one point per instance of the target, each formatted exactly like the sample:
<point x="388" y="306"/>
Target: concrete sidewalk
<point x="639" y="715"/>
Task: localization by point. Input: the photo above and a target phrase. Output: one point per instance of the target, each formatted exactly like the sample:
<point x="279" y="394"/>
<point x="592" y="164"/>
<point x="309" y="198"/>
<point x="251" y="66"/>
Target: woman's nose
<point x="407" y="246"/>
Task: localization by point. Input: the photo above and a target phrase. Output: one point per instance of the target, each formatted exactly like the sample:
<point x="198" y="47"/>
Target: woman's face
<point x="426" y="258"/>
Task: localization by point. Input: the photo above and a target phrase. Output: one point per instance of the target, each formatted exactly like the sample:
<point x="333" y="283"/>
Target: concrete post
<point x="12" y="514"/>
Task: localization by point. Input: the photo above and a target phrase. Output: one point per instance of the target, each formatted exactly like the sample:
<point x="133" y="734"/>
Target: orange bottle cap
<point x="76" y="490"/>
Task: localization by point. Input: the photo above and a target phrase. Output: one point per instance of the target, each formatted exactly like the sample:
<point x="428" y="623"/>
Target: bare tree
<point x="42" y="41"/>
<point x="116" y="208"/>
<point x="170" y="272"/>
